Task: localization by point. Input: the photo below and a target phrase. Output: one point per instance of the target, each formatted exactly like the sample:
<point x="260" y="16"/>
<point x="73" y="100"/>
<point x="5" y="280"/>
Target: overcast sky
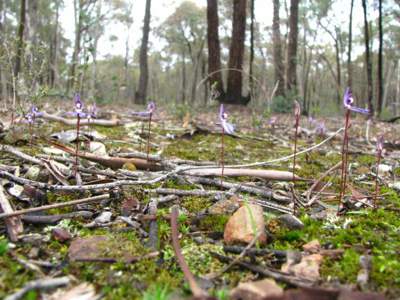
<point x="161" y="9"/>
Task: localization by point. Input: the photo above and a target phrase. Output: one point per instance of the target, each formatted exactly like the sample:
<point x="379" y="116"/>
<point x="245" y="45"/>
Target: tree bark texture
<point x="277" y="51"/>
<point x="214" y="51"/>
<point x="236" y="54"/>
<point x="20" y="44"/>
<point x="380" y="63"/>
<point x="368" y="60"/>
<point x="141" y="93"/>
<point x="292" y="47"/>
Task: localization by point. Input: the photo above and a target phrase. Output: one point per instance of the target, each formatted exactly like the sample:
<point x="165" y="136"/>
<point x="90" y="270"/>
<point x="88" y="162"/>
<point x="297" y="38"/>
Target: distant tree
<point x="277" y="51"/>
<point x="349" y="62"/>
<point x="214" y="52"/>
<point x="291" y="83"/>
<point x="20" y="43"/>
<point x="368" y="62"/>
<point x="140" y="97"/>
<point x="236" y="54"/>
<point x="380" y="63"/>
<point x="252" y="20"/>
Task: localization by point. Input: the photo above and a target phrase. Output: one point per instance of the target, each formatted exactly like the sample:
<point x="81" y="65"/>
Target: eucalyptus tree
<point x="291" y="69"/>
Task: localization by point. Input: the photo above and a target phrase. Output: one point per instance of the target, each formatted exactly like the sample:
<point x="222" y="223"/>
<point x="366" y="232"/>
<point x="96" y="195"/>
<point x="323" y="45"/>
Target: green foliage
<point x="3" y="246"/>
<point x="157" y="292"/>
<point x="281" y="104"/>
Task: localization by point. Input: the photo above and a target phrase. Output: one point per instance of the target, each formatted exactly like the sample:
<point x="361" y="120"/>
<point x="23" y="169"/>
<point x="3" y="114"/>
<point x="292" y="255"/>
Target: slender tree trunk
<point x="77" y="44"/>
<point x="196" y="72"/>
<point x="20" y="44"/>
<point x="183" y="91"/>
<point x="368" y="60"/>
<point x="236" y="53"/>
<point x="291" y="69"/>
<point x="203" y="75"/>
<point x="54" y="51"/>
<point x="277" y="52"/>
<point x="144" y="72"/>
<point x="252" y="19"/>
<point x="380" y="64"/>
<point x="338" y="69"/>
<point x="97" y="34"/>
<point x="3" y="79"/>
<point x="214" y="51"/>
<point x="349" y="63"/>
<point x="31" y="21"/>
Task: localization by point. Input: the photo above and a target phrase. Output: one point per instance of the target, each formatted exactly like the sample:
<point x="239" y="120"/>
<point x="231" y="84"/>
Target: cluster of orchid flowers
<point x="79" y="111"/>
<point x="32" y="115"/>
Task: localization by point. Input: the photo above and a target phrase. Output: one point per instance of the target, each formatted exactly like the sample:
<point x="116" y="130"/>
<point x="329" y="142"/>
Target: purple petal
<point x="151" y="107"/>
<point x="228" y="127"/>
<point x="359" y="110"/>
<point x="221" y="113"/>
<point x="348" y="98"/>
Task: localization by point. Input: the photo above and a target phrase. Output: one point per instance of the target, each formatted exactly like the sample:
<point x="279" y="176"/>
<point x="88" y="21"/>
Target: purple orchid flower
<point x="223" y="117"/>
<point x="272" y="121"/>
<point x="151" y="107"/>
<point x="32" y="115"/>
<point x="78" y="107"/>
<point x="320" y="129"/>
<point x="348" y="101"/>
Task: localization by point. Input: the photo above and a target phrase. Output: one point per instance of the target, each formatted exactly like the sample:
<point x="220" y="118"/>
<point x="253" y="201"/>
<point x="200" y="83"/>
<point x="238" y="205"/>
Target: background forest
<point x="308" y="50"/>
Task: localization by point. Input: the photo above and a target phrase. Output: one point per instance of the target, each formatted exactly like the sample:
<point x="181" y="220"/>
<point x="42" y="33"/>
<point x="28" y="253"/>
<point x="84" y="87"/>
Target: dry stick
<point x="222" y="154"/>
<point x="43" y="283"/>
<point x="55" y="205"/>
<point x="318" y="181"/>
<point x="345" y="148"/>
<point x="378" y="161"/>
<point x="14" y="225"/>
<point x="237" y="259"/>
<point x="196" y="290"/>
<point x="148" y="136"/>
<point x="77" y="143"/>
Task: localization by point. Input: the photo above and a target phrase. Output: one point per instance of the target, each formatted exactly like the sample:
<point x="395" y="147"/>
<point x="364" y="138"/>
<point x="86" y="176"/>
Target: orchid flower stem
<point x="294" y="160"/>
<point x="140" y="139"/>
<point x="378" y="161"/>
<point x="30" y="134"/>
<point x="222" y="155"/>
<point x="78" y="123"/>
<point x="345" y="148"/>
<point x="148" y="136"/>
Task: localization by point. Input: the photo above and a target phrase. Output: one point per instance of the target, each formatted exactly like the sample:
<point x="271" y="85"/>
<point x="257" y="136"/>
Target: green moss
<point x="195" y="204"/>
<point x="213" y="223"/>
<point x="366" y="160"/>
<point x="345" y="270"/>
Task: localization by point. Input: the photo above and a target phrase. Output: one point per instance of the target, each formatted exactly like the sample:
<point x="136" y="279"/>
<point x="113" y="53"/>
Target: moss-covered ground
<point x="359" y="232"/>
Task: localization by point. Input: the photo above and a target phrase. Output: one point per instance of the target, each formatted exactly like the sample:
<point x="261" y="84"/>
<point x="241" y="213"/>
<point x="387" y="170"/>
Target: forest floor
<point x="121" y="246"/>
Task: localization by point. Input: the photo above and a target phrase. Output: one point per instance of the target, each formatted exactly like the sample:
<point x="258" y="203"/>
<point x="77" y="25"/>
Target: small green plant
<point x="157" y="292"/>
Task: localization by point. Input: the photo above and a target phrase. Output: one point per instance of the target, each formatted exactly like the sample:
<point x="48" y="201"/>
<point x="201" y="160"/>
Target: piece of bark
<point x="112" y="162"/>
<point x="13" y="224"/>
<point x="231" y="172"/>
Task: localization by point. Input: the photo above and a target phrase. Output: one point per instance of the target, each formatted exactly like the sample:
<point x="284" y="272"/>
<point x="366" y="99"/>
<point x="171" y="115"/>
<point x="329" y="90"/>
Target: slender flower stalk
<point x="30" y="118"/>
<point x="297" y="112"/>
<point x="348" y="102"/>
<point x="378" y="151"/>
<point x="151" y="107"/>
<point x="79" y="113"/>
<point x="225" y="128"/>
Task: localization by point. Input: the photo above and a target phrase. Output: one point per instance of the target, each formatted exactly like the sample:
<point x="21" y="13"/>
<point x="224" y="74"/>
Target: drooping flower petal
<point x="297" y="109"/>
<point x="348" y="101"/>
<point x="151" y="107"/>
<point x="228" y="127"/>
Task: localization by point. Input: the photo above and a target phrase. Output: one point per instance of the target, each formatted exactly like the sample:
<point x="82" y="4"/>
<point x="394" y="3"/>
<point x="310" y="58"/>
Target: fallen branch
<point x="72" y="122"/>
<point x="230" y="172"/>
<point x="55" y="205"/>
<point x="40" y="284"/>
<point x="13" y="224"/>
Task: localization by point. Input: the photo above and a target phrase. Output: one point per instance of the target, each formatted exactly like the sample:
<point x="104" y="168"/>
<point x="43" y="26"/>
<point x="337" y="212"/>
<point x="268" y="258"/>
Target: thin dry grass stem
<point x="194" y="287"/>
<point x="345" y="147"/>
<point x="78" y="121"/>
<point x="148" y="136"/>
<point x="222" y="155"/>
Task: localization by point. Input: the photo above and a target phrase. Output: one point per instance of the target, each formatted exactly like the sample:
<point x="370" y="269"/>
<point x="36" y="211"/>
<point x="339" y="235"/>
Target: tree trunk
<point x="214" y="52"/>
<point x="236" y="53"/>
<point x="140" y="97"/>
<point x="277" y="52"/>
<point x="338" y="69"/>
<point x="54" y="51"/>
<point x="20" y="45"/>
<point x="77" y="44"/>
<point x="368" y="60"/>
<point x="3" y="79"/>
<point x="31" y="21"/>
<point x="251" y="84"/>
<point x="183" y="91"/>
<point x="291" y="68"/>
<point x="349" y="63"/>
<point x="96" y="37"/>
<point x="196" y="67"/>
<point x="380" y="64"/>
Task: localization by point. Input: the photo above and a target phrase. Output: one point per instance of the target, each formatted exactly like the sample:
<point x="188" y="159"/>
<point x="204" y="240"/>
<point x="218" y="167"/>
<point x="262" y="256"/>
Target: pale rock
<point x="225" y="206"/>
<point x="312" y="247"/>
<point x="290" y="221"/>
<point x="256" y="290"/>
<point x="98" y="148"/>
<point x="307" y="268"/>
<point x="104" y="217"/>
<point x="244" y="224"/>
<point x="33" y="173"/>
<point x="384" y="170"/>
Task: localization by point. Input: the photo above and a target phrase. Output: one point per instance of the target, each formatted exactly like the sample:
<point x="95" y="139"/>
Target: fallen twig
<point x="40" y="284"/>
<point x="72" y="122"/>
<point x="13" y="224"/>
<point x="196" y="290"/>
<point x="55" y="205"/>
